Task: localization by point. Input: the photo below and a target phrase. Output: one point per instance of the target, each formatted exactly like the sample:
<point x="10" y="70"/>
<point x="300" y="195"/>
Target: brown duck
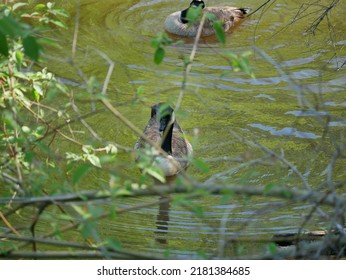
<point x="163" y="129"/>
<point x="230" y="17"/>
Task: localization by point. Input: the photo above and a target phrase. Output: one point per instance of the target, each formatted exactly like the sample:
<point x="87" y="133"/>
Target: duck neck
<point x="167" y="141"/>
<point x="193" y="4"/>
<point x="183" y="16"/>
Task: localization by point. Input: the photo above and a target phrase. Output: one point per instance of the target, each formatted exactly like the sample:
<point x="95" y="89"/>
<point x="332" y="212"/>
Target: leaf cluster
<point x="14" y="27"/>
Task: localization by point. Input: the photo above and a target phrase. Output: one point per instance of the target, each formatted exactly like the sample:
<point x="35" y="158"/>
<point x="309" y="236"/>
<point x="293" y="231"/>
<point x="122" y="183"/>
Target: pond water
<point x="267" y="110"/>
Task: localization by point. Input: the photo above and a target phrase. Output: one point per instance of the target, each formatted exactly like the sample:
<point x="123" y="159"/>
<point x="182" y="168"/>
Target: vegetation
<point x="40" y="182"/>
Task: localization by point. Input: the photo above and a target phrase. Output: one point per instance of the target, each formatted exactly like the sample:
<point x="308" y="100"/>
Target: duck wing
<point x="229" y="16"/>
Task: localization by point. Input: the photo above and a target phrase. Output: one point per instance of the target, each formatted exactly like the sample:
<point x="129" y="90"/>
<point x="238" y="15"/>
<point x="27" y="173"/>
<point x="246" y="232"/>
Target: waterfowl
<point x="164" y="130"/>
<point x="178" y="24"/>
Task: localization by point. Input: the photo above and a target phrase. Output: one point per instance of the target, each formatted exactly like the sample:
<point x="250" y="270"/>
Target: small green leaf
<point x="114" y="244"/>
<point x="198" y="210"/>
<point x="155" y="42"/>
<point x="201" y="165"/>
<point x="87" y="149"/>
<point x="111" y="149"/>
<point x="50" y="5"/>
<point x="38" y="89"/>
<point x="18" y="5"/>
<point x="31" y="48"/>
<point x="87" y="228"/>
<point x="26" y="129"/>
<point x="36" y="95"/>
<point x="28" y="157"/>
<point x="39" y="6"/>
<point x="272" y="248"/>
<point x="95" y="211"/>
<point x="156" y="173"/>
<point x="80" y="172"/>
<point x="58" y="23"/>
<point x="94" y="160"/>
<point x="159" y="55"/>
<point x="211" y="16"/>
<point x="19" y="57"/>
<point x="3" y="45"/>
<point x="193" y="14"/>
<point x="219" y="31"/>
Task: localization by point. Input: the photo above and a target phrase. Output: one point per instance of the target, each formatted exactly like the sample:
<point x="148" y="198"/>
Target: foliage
<point x="14" y="28"/>
<point x="23" y="119"/>
<point x="159" y="42"/>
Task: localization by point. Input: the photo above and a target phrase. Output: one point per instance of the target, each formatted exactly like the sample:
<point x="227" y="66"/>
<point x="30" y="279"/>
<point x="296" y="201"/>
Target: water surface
<point x="267" y="110"/>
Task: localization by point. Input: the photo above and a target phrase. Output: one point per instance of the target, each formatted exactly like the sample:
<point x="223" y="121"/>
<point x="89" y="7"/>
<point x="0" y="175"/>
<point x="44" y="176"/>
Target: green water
<point x="265" y="110"/>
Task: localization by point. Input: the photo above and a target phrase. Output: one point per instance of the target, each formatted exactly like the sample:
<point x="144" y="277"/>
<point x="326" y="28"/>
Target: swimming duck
<point x="177" y="23"/>
<point x="163" y="129"/>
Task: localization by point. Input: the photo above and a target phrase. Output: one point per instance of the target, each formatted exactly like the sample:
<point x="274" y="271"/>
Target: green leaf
<point x="39" y="6"/>
<point x="58" y="23"/>
<point x="198" y="210"/>
<point x="211" y="16"/>
<point x="31" y="48"/>
<point x="156" y="173"/>
<point x="193" y="14"/>
<point x="272" y="248"/>
<point x="219" y="31"/>
<point x="38" y="89"/>
<point x="94" y="160"/>
<point x="114" y="244"/>
<point x="155" y="42"/>
<point x="50" y="5"/>
<point x="9" y="26"/>
<point x="26" y="129"/>
<point x="18" y="5"/>
<point x="159" y="55"/>
<point x="201" y="165"/>
<point x="111" y="149"/>
<point x="3" y="45"/>
<point x="28" y="157"/>
<point x="87" y="228"/>
<point x="19" y="57"/>
<point x="87" y="149"/>
<point x="80" y="172"/>
<point x="95" y="211"/>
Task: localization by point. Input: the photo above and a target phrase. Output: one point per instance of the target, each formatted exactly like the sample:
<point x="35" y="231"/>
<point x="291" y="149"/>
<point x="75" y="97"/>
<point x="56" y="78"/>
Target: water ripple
<point x="287" y="131"/>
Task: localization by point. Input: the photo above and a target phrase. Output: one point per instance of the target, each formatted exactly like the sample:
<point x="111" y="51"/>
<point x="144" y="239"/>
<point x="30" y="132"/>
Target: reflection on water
<point x="162" y="220"/>
<point x="287" y="131"/>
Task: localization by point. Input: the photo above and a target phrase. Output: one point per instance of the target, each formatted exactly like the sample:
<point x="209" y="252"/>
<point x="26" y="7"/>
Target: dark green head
<point x="163" y="114"/>
<point x="193" y="4"/>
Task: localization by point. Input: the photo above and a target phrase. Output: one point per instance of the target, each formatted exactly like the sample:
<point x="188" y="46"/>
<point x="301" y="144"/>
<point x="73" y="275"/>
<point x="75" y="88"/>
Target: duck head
<point x="164" y="115"/>
<point x="193" y="4"/>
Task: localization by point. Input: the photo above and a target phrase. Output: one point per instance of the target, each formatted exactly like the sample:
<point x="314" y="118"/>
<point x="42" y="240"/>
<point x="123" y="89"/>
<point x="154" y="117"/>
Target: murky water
<point x="266" y="109"/>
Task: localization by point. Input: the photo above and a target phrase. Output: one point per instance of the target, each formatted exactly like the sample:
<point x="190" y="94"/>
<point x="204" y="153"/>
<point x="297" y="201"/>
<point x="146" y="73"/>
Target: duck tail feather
<point x="245" y="11"/>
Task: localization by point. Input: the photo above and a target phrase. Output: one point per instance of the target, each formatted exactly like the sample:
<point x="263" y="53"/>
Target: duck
<point x="163" y="129"/>
<point x="177" y="23"/>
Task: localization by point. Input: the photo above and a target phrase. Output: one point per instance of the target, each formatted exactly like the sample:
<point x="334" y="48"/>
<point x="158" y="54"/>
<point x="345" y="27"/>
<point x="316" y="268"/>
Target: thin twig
<point x="8" y="224"/>
<point x="260" y="7"/>
<point x="76" y="29"/>
<point x="188" y="65"/>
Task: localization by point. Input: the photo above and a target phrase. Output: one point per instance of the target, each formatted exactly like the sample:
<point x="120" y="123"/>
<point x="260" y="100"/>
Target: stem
<point x="188" y="65"/>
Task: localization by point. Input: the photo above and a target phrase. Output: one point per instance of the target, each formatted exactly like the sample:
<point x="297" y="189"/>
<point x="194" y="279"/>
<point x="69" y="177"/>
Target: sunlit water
<point x="266" y="109"/>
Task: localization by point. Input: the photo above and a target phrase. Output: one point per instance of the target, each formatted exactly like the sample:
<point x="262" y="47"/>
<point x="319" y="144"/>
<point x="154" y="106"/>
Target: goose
<point x="177" y="23"/>
<point x="164" y="130"/>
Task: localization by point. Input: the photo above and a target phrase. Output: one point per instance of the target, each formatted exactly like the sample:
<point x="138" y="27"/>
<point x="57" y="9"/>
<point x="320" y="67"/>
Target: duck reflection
<point x="162" y="220"/>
